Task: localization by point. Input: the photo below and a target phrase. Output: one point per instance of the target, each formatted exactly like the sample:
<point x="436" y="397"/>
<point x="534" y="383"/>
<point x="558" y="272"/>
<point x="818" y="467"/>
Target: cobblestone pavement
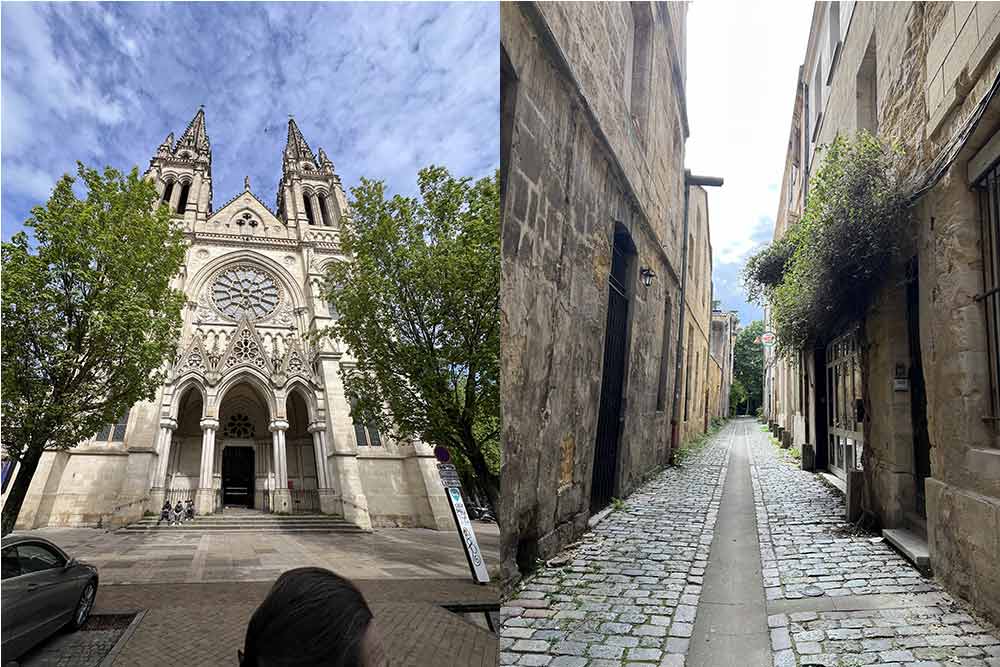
<point x="631" y="590"/>
<point x="805" y="542"/>
<point x="164" y="557"/>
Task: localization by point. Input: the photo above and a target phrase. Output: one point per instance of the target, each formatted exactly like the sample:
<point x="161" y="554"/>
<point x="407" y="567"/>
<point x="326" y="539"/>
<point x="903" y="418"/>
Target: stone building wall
<point x="723" y="343"/>
<point x="695" y="402"/>
<point x="933" y="64"/>
<point x="583" y="157"/>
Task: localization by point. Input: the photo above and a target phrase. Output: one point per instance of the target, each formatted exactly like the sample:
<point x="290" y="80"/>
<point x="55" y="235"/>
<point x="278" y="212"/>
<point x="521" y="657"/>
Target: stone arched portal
<point x="244" y="443"/>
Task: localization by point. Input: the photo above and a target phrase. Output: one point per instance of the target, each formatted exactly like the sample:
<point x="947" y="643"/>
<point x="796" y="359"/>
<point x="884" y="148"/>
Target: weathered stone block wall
<point x="577" y="167"/>
<point x="935" y="63"/>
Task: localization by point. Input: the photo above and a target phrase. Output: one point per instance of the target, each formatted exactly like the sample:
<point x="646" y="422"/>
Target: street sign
<point x="472" y="553"/>
<point x="768" y="338"/>
<point x="449" y="476"/>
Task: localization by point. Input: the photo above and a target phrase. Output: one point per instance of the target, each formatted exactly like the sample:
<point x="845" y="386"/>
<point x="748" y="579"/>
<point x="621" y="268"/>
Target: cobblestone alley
<point x="673" y="578"/>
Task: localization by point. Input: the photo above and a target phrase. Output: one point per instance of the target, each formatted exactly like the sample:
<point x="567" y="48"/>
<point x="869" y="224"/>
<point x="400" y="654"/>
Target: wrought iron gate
<point x="845" y="405"/>
<point x="609" y="415"/>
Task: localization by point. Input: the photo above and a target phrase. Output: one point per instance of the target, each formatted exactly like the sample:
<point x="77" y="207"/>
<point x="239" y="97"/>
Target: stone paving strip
<point x="630" y="589"/>
<point x="871" y="607"/>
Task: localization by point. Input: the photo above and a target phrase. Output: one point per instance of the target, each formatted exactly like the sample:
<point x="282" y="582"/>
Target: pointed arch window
<point x="167" y="191"/>
<point x="322" y="209"/>
<point x="183" y="201"/>
<point x="310" y="215"/>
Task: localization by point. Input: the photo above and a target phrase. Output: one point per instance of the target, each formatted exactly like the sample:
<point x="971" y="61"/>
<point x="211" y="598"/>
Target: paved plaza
<point x="674" y="579"/>
<point x="198" y="591"/>
<point x="180" y="557"/>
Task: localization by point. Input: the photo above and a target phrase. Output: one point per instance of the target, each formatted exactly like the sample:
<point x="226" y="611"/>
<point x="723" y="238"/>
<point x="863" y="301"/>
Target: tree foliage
<point x="89" y="316"/>
<point x="737" y="396"/>
<point x="748" y="363"/>
<point x="419" y="308"/>
<point x="824" y="270"/>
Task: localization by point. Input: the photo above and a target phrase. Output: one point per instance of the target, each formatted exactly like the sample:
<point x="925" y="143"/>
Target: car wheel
<point x="84" y="606"/>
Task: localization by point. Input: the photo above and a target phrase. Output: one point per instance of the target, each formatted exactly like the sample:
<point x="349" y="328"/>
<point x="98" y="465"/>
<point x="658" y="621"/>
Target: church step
<point x="249" y="521"/>
<point x="243" y="529"/>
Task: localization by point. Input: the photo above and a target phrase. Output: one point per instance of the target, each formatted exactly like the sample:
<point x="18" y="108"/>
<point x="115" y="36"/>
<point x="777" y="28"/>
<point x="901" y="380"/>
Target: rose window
<point x="245" y="291"/>
<point x="239" y="426"/>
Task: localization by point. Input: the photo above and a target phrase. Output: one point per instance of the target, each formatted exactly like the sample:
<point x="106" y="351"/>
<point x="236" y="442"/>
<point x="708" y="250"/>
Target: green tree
<point x="748" y="364"/>
<point x="89" y="317"/>
<point x="419" y="308"/>
<point x="737" y="397"/>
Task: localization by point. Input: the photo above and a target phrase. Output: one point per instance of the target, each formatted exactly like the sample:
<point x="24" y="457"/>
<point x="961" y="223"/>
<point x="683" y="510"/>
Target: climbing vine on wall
<point x="825" y="270"/>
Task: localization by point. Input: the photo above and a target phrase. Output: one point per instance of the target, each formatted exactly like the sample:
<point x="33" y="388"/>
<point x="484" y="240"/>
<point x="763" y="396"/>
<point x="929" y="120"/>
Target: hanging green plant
<point x="825" y="270"/>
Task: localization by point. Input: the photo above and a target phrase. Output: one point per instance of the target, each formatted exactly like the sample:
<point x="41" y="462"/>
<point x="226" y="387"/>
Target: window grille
<point x="989" y="208"/>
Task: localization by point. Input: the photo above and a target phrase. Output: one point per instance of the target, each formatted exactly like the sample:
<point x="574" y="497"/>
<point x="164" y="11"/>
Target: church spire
<point x="324" y="161"/>
<point x="195" y="137"/>
<point x="296" y="147"/>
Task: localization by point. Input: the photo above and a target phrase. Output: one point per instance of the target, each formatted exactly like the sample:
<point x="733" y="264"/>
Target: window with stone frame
<point x="988" y="188"/>
<point x="640" y="67"/>
<point x="367" y="435"/>
<point x="113" y="432"/>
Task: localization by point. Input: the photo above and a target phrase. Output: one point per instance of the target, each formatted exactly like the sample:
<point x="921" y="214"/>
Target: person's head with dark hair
<point x="312" y="617"/>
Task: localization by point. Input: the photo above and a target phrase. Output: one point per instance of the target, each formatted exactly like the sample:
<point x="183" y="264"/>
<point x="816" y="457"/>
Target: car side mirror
<point x="70" y="563"/>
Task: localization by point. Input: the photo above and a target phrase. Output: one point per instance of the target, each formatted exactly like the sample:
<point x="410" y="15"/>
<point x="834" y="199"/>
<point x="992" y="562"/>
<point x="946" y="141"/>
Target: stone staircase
<point x="240" y="519"/>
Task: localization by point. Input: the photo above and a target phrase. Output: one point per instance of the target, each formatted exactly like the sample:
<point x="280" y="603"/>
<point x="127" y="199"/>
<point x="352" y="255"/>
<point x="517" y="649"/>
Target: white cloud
<point x="26" y="180"/>
<point x="743" y="61"/>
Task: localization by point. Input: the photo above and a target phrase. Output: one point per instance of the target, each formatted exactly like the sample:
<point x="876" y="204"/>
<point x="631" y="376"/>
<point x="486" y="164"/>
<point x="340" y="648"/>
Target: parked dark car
<point x="42" y="591"/>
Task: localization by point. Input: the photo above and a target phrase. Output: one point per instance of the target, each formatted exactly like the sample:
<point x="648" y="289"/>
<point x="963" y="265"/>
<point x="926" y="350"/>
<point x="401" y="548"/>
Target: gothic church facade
<point x="251" y="412"/>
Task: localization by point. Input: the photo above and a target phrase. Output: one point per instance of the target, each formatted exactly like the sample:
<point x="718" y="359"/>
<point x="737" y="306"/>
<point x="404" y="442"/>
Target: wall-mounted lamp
<point x="646" y="275"/>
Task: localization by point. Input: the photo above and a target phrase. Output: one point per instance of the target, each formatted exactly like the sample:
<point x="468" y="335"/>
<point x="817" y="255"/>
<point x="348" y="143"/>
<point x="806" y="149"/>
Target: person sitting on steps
<point x="164" y="513"/>
<point x="178" y="512"/>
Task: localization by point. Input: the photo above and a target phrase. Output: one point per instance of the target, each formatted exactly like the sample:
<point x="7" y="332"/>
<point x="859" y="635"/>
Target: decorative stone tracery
<point x="245" y="291"/>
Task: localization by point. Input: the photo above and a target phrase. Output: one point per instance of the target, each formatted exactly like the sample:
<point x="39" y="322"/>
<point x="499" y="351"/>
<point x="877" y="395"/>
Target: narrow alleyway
<point x="683" y="575"/>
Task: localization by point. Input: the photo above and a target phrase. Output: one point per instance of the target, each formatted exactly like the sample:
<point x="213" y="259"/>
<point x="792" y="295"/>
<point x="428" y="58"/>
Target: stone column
<point x="194" y="196"/>
<point x="327" y="497"/>
<point x="163" y="442"/>
<point x="205" y="498"/>
<point x="317" y="213"/>
<point x="282" y="498"/>
<point x="299" y="197"/>
<point x="175" y="196"/>
<point x="331" y="211"/>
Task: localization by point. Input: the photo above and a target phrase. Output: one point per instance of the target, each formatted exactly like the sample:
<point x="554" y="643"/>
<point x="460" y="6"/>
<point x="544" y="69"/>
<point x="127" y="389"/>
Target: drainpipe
<point x="689" y="180"/>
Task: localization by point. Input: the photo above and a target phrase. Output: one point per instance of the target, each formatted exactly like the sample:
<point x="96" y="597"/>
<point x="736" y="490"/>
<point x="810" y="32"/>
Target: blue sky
<point x="384" y="88"/>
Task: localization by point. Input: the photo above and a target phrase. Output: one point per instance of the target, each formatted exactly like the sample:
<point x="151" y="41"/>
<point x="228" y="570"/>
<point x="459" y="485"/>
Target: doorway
<point x="918" y="394"/>
<point x="609" y="415"/>
<point x="237" y="476"/>
<point x="845" y="405"/>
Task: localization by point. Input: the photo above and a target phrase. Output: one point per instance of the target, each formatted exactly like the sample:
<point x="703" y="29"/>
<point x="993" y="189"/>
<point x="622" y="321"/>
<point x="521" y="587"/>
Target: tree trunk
<point x="490" y="483"/>
<point x="18" y="491"/>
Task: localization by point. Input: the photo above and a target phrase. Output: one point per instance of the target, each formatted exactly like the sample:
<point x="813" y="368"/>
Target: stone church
<point x="252" y="413"/>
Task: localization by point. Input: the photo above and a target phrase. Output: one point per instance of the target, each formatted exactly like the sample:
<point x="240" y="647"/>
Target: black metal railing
<point x="304" y="501"/>
<point x="175" y="495"/>
<point x="989" y="201"/>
